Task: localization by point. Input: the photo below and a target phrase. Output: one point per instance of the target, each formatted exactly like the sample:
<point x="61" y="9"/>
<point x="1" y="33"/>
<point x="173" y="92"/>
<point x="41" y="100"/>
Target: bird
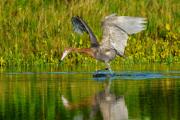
<point x="116" y="30"/>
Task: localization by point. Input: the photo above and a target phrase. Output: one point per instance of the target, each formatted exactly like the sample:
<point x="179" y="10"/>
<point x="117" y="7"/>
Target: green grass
<point x="37" y="31"/>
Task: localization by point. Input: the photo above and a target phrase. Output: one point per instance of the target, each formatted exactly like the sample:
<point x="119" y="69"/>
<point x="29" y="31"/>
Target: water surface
<point x="138" y="92"/>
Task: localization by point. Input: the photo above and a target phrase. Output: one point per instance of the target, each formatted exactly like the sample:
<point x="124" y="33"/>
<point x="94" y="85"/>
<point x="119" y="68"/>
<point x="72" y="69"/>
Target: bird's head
<point x="66" y="52"/>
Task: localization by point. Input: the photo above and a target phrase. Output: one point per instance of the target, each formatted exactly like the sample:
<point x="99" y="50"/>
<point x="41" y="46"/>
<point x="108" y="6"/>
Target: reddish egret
<point x="114" y="40"/>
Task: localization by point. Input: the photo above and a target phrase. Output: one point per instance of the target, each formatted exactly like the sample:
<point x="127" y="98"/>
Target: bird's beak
<point x="65" y="53"/>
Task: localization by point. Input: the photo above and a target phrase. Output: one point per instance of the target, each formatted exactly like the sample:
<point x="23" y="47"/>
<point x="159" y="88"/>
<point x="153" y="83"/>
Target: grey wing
<point x="114" y="38"/>
<point x="80" y="26"/>
<point x="116" y="30"/>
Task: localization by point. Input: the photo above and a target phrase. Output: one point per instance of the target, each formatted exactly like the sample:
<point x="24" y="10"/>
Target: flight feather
<point x="116" y="30"/>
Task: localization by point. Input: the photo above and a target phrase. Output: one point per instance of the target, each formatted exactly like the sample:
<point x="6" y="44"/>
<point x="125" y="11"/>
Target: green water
<point x="137" y="92"/>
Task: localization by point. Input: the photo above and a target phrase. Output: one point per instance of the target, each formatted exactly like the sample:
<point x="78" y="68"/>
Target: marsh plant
<point x="36" y="31"/>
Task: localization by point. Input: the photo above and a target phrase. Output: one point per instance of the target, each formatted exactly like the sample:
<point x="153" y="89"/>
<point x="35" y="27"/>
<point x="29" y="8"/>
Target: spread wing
<point x="116" y="30"/>
<point x="80" y="26"/>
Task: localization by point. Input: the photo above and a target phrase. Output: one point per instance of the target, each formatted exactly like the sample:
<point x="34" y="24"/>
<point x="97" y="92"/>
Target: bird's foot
<point x="111" y="72"/>
<point x="106" y="69"/>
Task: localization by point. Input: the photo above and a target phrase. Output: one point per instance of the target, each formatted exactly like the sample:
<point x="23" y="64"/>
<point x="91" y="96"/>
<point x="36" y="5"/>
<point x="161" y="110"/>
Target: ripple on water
<point x="101" y="75"/>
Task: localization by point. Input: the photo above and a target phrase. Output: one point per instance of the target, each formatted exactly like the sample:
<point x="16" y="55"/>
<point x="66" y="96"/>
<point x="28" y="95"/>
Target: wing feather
<point x="116" y="30"/>
<point x="80" y="26"/>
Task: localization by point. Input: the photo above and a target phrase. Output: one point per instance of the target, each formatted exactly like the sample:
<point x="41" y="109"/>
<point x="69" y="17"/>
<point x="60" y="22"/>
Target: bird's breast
<point x="105" y="55"/>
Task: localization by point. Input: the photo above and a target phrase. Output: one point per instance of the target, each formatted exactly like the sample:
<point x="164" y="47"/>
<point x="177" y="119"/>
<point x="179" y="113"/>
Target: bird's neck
<point x="87" y="51"/>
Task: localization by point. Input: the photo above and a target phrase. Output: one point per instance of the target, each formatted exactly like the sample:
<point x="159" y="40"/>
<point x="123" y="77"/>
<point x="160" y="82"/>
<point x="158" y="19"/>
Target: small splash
<point x="135" y="75"/>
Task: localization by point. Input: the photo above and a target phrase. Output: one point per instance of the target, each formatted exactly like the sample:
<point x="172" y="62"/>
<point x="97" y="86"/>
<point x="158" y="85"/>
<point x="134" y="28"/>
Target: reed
<point x="37" y="31"/>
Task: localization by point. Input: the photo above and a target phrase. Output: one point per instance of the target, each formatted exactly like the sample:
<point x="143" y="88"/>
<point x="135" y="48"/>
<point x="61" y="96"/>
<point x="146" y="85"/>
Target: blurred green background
<point x="37" y="31"/>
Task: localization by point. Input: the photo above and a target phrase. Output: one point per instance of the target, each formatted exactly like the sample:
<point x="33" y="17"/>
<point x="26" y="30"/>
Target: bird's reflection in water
<point x="110" y="106"/>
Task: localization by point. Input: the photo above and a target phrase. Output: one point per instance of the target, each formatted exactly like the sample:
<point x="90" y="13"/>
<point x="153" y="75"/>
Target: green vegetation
<point x="37" y="31"/>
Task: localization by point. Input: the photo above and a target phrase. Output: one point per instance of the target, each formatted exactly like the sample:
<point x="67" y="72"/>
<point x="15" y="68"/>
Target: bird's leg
<point x="109" y="67"/>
